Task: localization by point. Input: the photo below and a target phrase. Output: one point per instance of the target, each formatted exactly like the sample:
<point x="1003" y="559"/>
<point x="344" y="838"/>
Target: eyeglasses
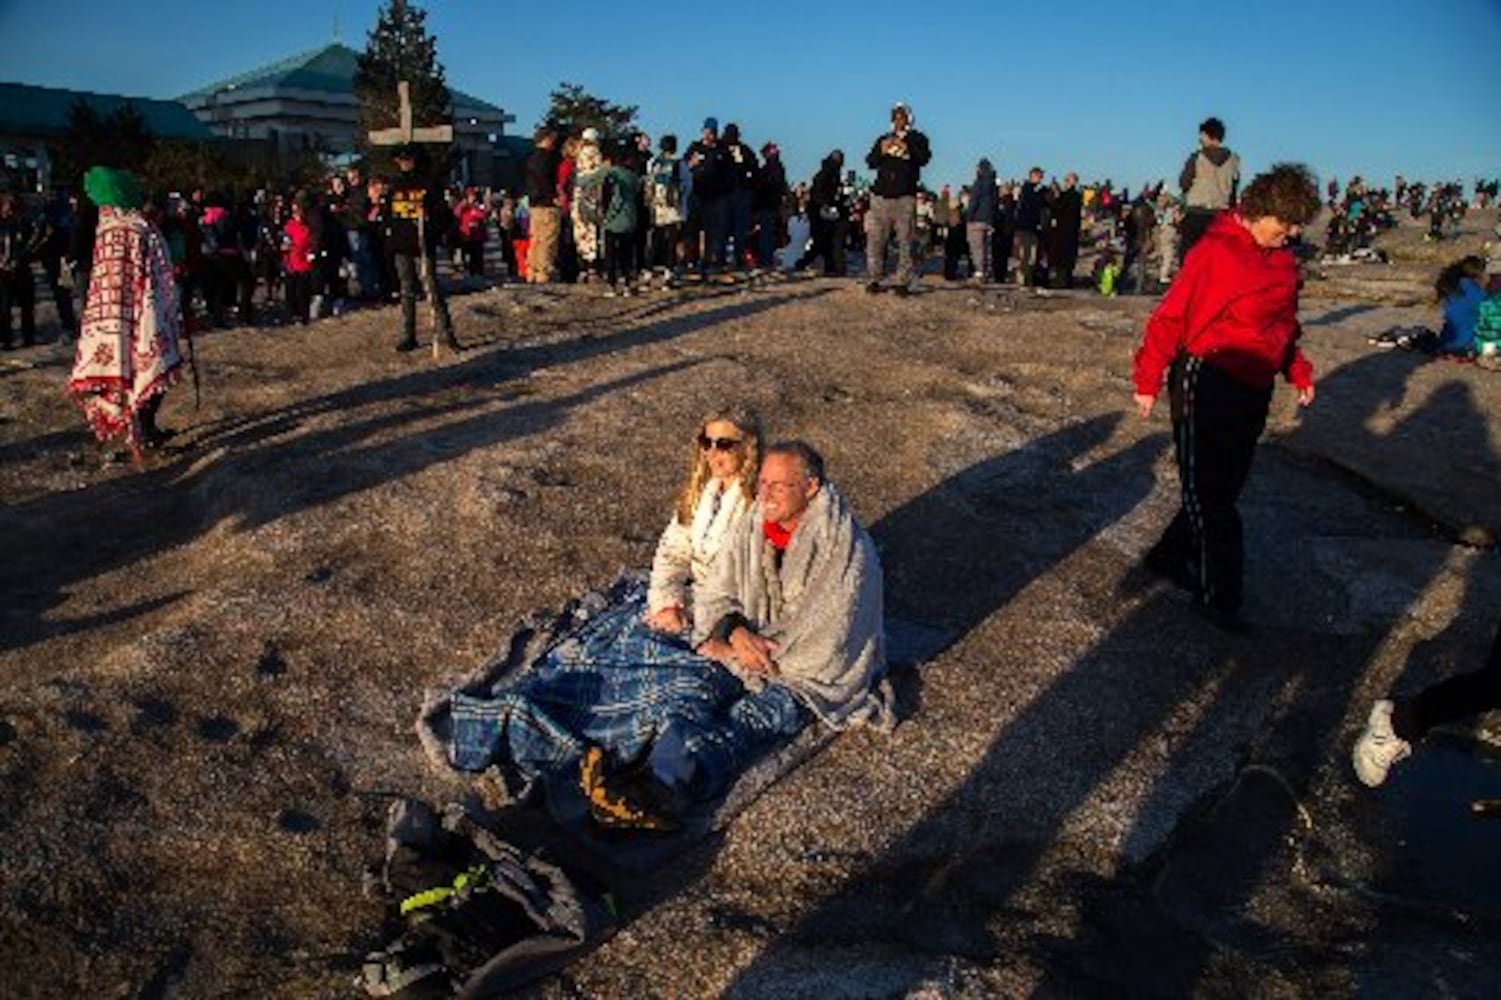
<point x="718" y="444"/>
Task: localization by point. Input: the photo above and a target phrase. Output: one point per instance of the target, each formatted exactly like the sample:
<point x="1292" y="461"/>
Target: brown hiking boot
<point x="618" y="808"/>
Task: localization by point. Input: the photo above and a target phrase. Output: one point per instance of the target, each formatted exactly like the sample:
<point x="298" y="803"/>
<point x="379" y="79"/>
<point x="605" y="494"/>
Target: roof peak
<point x="330" y="67"/>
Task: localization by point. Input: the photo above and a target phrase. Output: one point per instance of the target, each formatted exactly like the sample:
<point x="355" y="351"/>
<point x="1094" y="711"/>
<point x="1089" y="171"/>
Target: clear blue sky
<point x="1105" y="89"/>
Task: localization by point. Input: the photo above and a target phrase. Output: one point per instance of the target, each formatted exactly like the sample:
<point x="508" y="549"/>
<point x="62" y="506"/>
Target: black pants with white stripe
<point x="1216" y="424"/>
<point x="1450" y="700"/>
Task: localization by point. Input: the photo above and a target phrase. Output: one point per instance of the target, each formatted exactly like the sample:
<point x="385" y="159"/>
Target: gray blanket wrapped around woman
<point x="630" y="690"/>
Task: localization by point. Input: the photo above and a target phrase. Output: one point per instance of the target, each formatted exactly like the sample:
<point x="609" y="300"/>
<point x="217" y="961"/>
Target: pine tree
<point x="572" y="109"/>
<point x="121" y="138"/>
<point x="399" y="48"/>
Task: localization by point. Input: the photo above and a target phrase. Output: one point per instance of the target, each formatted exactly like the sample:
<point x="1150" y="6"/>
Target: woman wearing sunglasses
<point x="600" y="693"/>
<point x="720" y="487"/>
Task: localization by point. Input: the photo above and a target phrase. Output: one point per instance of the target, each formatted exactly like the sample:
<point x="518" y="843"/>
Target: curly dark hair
<point x="1448" y="281"/>
<point x="1288" y="191"/>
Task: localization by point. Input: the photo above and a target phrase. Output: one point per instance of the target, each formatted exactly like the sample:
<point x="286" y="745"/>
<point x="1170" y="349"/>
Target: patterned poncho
<point x="128" y="346"/>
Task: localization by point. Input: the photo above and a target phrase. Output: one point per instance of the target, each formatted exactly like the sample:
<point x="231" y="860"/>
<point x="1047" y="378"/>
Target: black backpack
<point x="475" y="917"/>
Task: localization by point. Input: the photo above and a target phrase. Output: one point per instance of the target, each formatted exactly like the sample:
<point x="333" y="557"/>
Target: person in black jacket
<point x="828" y="217"/>
<point x="1065" y="218"/>
<point x="542" y="208"/>
<point x="771" y="195"/>
<point x="744" y="169"/>
<point x="709" y="196"/>
<point x="897" y="157"/>
<point x="1030" y="202"/>
<point x="414" y="206"/>
<point x="17" y="284"/>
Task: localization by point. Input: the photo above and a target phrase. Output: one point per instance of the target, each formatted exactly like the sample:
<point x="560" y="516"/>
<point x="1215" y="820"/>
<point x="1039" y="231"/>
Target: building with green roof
<point x="307" y="102"/>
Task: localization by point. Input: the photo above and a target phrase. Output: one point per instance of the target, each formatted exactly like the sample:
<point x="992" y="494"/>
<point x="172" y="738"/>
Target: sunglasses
<point x="718" y="444"/>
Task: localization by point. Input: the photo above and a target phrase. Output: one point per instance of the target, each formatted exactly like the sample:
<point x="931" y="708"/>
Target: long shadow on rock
<point x="1338" y="315"/>
<point x="951" y="886"/>
<point x="963" y="549"/>
<point x="1190" y="904"/>
<point x="954" y="556"/>
<point x="161" y="509"/>
<point x="56" y="540"/>
<point x="483" y="368"/>
<point x="1448" y="428"/>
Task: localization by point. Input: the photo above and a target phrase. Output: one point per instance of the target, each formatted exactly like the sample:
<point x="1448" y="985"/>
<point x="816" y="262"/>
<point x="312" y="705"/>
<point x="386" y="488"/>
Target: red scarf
<point x="777" y="535"/>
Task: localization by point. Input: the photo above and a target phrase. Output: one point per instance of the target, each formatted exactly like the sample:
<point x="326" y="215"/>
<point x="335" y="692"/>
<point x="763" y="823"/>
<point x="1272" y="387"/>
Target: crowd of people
<point x="635" y="215"/>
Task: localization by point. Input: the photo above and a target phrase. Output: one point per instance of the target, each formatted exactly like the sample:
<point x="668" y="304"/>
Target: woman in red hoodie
<point x="1226" y="328"/>
<point x="299" y="245"/>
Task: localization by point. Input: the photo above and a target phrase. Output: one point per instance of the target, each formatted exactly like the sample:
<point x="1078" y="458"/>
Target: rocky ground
<point x="211" y="665"/>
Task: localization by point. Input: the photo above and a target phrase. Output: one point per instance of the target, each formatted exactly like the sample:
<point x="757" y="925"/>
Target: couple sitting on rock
<point x="764" y="609"/>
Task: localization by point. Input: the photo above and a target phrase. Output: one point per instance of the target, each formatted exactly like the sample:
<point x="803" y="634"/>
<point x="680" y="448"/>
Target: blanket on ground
<point x="556" y="638"/>
<point x="605" y="680"/>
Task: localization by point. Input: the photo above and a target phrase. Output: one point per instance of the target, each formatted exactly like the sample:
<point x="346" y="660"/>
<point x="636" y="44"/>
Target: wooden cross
<point x="405" y="132"/>
<point x="401" y="135"/>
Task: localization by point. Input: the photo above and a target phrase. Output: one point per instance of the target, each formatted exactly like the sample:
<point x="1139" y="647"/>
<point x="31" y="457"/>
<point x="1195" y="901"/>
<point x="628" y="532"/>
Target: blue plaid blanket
<point x="613" y="683"/>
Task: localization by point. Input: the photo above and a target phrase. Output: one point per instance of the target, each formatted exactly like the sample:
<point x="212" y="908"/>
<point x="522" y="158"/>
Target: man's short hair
<point x="811" y="460"/>
<point x="1214" y="128"/>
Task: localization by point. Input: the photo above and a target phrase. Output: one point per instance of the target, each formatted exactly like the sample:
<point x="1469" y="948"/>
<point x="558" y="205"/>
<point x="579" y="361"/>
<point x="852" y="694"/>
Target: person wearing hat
<point x="415" y="214"/>
<point x="828" y="217"/>
<point x="128" y="346"/>
<point x="897" y="157"/>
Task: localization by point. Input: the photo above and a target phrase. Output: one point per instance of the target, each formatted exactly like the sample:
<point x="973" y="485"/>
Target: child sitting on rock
<point x="1459" y="294"/>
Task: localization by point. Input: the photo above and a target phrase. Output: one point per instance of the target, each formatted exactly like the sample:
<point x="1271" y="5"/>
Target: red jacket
<point x="1235" y="305"/>
<point x="299" y="246"/>
<point x="471" y="218"/>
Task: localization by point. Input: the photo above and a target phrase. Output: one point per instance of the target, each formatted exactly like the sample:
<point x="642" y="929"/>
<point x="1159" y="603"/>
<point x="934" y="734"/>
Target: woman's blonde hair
<point x="749" y="425"/>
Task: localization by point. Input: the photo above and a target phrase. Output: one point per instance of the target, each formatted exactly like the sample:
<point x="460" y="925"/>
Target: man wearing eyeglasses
<point x="793" y="608"/>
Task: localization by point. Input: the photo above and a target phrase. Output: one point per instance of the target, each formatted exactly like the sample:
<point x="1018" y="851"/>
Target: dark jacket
<point x="16" y="236"/>
<point x="982" y="197"/>
<point x="897" y="173"/>
<point x="771" y="185"/>
<point x="408" y="199"/>
<point x="711" y="173"/>
<point x="356" y="216"/>
<point x="542" y="177"/>
<point x="1029" y="205"/>
<point x="825" y="191"/>
<point x="743" y="166"/>
<point x="1065" y="214"/>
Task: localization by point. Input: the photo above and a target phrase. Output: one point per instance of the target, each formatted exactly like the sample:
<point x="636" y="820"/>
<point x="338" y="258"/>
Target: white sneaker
<point x="1379" y="747"/>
